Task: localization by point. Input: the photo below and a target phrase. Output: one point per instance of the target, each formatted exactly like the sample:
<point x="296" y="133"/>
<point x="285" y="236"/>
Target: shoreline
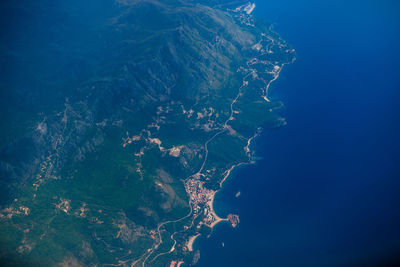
<point x="210" y="202"/>
<point x="191" y="241"/>
<point x="217" y="218"/>
<point x="228" y="172"/>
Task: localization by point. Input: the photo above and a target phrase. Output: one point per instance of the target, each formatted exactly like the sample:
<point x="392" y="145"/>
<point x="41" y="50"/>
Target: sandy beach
<point x="191" y="241"/>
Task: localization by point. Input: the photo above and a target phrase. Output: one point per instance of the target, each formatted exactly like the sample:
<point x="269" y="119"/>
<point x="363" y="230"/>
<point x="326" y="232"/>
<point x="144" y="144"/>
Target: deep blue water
<point x="327" y="189"/>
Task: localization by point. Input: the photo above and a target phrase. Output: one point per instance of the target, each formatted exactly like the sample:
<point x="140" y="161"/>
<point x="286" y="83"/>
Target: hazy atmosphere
<point x="199" y="133"/>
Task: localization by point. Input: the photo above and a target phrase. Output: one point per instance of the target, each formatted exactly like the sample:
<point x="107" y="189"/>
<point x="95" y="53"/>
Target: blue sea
<point x="327" y="189"/>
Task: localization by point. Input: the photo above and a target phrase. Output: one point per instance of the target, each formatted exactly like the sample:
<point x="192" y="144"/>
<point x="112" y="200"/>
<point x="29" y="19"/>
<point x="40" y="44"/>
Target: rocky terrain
<point x="117" y="135"/>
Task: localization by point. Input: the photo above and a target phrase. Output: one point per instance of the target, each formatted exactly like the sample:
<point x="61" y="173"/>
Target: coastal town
<point x="168" y="164"/>
<point x="201" y="198"/>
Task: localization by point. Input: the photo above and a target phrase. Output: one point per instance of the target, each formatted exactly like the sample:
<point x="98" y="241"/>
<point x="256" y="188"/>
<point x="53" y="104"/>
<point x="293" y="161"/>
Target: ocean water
<point x="327" y="189"/>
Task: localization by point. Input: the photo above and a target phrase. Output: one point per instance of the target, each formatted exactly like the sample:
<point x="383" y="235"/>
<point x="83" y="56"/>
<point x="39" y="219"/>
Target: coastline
<point x="228" y="172"/>
<point x="210" y="203"/>
<point x="191" y="241"/>
<point x="203" y="197"/>
<point x="217" y="218"/>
